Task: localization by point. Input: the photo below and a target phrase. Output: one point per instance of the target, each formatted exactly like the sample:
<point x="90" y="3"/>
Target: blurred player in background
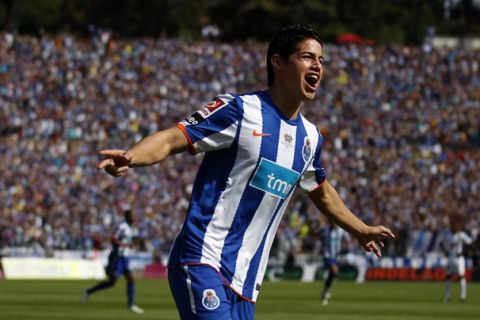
<point x="119" y="262"/>
<point x="332" y="246"/>
<point x="259" y="148"/>
<point x="453" y="246"/>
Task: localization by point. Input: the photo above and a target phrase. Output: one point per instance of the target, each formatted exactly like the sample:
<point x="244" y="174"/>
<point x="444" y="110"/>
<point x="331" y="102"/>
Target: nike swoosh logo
<point x="255" y="133"/>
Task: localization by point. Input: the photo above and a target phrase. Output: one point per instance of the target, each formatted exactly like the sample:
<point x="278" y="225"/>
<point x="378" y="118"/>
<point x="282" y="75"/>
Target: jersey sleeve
<point x="466" y="238"/>
<point x="214" y="126"/>
<point x="315" y="173"/>
<point x="120" y="232"/>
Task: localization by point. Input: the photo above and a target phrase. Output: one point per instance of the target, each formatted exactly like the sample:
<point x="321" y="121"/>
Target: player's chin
<point x="309" y="92"/>
<point x="308" y="95"/>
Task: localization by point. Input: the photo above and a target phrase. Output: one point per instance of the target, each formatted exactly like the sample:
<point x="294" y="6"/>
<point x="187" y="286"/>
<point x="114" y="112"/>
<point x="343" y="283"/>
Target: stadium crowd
<point x="401" y="127"/>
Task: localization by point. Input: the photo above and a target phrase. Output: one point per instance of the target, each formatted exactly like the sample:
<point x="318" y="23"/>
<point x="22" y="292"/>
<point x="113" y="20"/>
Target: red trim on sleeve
<point x="192" y="148"/>
<point x="318" y="186"/>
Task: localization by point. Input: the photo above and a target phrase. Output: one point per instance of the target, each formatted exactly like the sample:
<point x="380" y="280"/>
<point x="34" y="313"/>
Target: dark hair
<point x="284" y="42"/>
<point x="128" y="213"/>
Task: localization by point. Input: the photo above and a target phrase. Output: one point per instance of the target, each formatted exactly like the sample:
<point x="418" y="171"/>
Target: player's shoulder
<point x="222" y="100"/>
<point x="124" y="226"/>
<point x="309" y="125"/>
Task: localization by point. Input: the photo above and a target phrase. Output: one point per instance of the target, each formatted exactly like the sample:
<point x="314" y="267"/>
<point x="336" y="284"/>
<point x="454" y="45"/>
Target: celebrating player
<point x="118" y="262"/>
<point x="258" y="149"/>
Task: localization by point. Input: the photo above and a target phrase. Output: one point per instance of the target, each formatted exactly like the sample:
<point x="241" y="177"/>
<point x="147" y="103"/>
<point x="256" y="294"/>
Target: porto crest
<point x="306" y="150"/>
<point x="210" y="299"/>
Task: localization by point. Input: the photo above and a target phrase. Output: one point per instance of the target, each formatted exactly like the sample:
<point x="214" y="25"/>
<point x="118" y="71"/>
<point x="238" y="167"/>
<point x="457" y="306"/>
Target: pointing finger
<point x="105" y="163"/>
<point x="112" y="152"/>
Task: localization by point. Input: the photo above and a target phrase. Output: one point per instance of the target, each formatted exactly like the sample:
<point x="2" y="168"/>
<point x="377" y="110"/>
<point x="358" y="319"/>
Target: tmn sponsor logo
<point x="274" y="179"/>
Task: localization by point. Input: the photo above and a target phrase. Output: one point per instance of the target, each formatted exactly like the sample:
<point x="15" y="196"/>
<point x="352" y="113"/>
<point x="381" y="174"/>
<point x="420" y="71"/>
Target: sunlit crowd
<point x="401" y="127"/>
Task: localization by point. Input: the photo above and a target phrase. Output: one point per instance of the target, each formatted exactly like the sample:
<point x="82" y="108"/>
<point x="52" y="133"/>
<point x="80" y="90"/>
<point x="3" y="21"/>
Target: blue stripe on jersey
<point x="249" y="284"/>
<point x="251" y="197"/>
<point x="298" y="162"/>
<point x="320" y="173"/>
<point x="216" y="167"/>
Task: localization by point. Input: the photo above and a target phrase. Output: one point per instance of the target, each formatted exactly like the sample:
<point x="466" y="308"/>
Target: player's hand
<point x="116" y="162"/>
<point x="371" y="239"/>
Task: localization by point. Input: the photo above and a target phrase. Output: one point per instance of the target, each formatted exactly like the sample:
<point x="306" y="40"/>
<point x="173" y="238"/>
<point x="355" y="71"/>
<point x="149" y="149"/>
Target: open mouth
<point x="312" y="80"/>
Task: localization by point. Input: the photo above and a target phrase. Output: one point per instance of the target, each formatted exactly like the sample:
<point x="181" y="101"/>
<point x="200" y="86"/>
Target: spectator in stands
<point x="401" y="124"/>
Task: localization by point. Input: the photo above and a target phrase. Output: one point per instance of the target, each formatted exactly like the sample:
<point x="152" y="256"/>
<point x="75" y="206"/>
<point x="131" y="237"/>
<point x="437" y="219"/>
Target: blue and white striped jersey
<point x="125" y="234"/>
<point x="332" y="242"/>
<point x="254" y="159"/>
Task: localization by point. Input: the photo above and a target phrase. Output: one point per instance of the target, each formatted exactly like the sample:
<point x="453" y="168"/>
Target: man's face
<point x="300" y="75"/>
<point x="131" y="218"/>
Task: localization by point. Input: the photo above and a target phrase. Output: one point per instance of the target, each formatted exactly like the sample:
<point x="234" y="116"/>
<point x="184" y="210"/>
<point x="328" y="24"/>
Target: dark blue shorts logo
<point x="210" y="300"/>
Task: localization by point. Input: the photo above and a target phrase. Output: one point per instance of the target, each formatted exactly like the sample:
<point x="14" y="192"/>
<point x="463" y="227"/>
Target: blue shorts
<point x="118" y="266"/>
<point x="200" y="293"/>
<point x="328" y="262"/>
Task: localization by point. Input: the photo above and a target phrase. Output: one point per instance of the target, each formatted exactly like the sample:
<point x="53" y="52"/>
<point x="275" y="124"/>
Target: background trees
<point x="398" y="21"/>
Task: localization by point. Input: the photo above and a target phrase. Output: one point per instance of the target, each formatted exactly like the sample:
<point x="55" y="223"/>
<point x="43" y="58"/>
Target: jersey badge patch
<point x="306" y="150"/>
<point x="210" y="299"/>
<point x="212" y="107"/>
<point x="287" y="140"/>
<point x="206" y="111"/>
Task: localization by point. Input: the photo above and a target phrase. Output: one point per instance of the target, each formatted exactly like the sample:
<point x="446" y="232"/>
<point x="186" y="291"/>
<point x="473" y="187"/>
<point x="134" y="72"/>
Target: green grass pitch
<point x="60" y="300"/>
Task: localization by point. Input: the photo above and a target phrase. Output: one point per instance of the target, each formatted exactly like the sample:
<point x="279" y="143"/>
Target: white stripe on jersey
<point x="307" y="181"/>
<point x="218" y="140"/>
<point x="124" y="234"/>
<point x="219" y="226"/>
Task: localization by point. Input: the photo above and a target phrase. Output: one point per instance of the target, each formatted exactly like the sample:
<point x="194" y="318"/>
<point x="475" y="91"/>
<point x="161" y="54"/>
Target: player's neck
<point x="287" y="105"/>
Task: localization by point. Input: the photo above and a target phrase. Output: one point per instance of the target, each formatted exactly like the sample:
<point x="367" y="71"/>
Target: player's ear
<point x="276" y="61"/>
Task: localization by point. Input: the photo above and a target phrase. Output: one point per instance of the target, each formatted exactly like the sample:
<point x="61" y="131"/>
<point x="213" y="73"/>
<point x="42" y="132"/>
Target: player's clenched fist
<point x="116" y="162"/>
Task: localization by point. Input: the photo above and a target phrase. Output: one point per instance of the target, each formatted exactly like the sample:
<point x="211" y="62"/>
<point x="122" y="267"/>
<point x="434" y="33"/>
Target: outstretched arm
<point x="150" y="150"/>
<point x="327" y="200"/>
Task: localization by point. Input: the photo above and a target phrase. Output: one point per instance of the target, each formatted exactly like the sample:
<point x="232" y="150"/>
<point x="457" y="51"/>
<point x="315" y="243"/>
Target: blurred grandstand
<point x="401" y="128"/>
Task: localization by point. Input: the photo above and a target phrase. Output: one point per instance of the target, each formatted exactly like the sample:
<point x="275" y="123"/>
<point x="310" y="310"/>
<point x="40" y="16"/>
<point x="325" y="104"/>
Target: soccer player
<point x="454" y="246"/>
<point x="258" y="148"/>
<point x="332" y="245"/>
<point x="119" y="262"/>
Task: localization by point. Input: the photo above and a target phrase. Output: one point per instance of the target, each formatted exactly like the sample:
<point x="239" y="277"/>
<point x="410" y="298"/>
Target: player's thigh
<point x="452" y="267"/>
<point x="118" y="267"/>
<point x="241" y="308"/>
<point x="199" y="293"/>
<point x="112" y="268"/>
<point x="461" y="266"/>
<point x="125" y="265"/>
